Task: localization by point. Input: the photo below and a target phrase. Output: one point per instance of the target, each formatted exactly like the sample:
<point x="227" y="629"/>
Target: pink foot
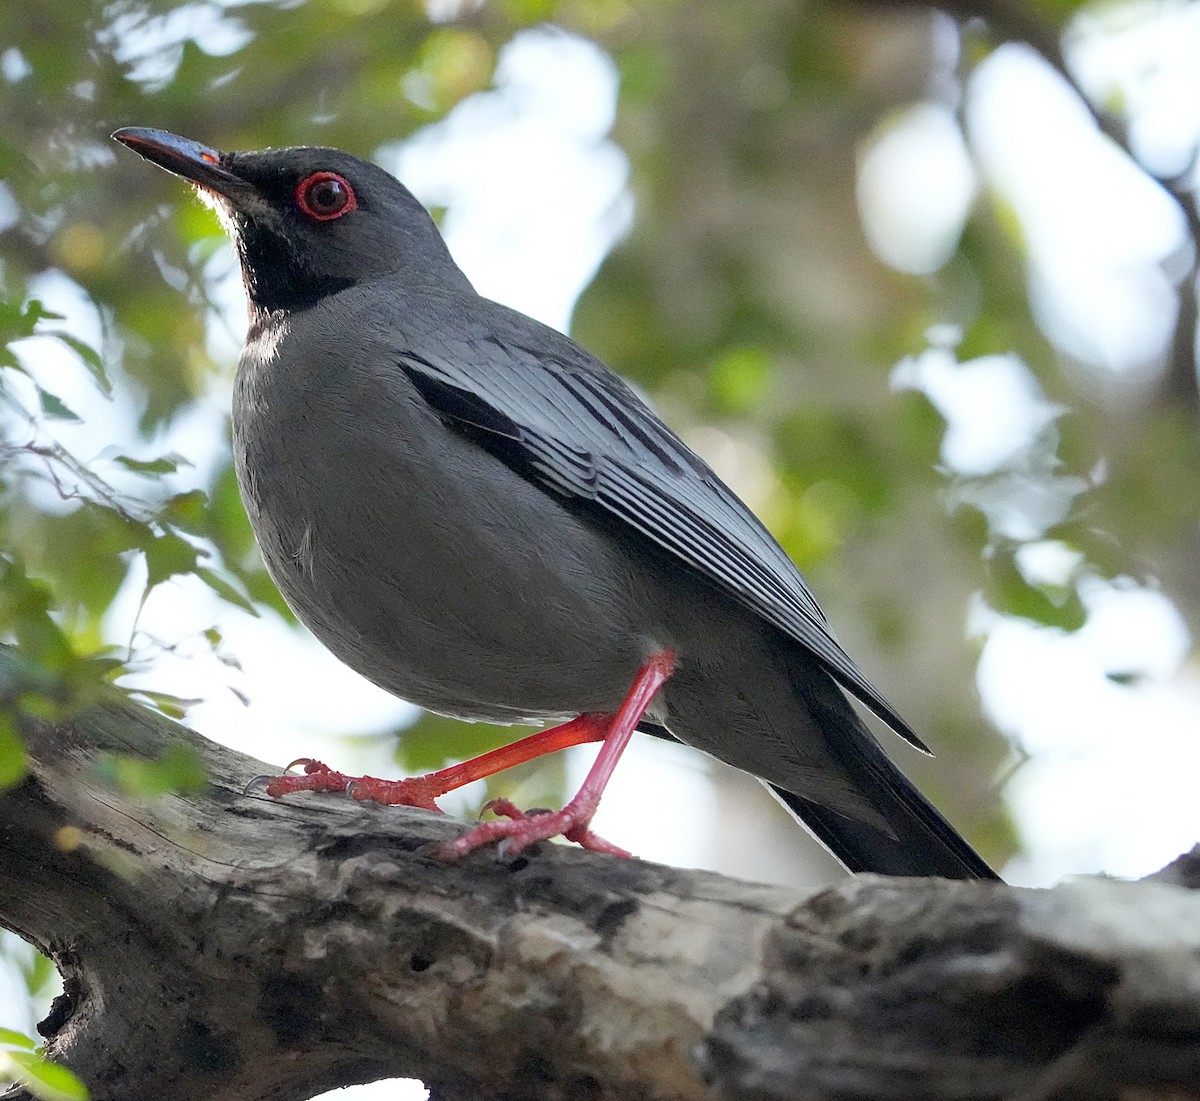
<point x="612" y="730"/>
<point x="416" y="791"/>
<point x="522" y="829"/>
<point x="317" y="776"/>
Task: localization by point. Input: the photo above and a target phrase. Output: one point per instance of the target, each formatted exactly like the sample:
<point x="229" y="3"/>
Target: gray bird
<point x="478" y="515"/>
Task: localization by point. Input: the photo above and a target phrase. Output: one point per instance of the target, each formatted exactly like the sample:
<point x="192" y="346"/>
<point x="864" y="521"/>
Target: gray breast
<point x="418" y="558"/>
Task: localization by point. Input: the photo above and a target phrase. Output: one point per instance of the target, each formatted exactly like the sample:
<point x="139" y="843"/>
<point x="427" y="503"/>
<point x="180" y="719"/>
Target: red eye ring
<point x="324" y="196"/>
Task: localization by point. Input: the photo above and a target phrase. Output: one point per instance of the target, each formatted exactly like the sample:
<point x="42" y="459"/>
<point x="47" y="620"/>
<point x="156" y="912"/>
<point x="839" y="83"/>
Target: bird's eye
<point x="324" y="196"/>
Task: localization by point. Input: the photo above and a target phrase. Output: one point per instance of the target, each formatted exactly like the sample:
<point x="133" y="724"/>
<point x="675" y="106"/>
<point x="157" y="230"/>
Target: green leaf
<point x="90" y="357"/>
<point x="54" y="407"/>
<point x="1009" y="592"/>
<point x="1125" y="678"/>
<point x="25" y="611"/>
<point x="167" y="555"/>
<point x="13" y="759"/>
<point x="35" y="312"/>
<point x="178" y="769"/>
<point x="174" y="707"/>
<point x="39" y="972"/>
<point x="16" y="1039"/>
<point x="19" y="322"/>
<point x="226" y="589"/>
<point x="188" y="510"/>
<point x="84" y="555"/>
<point x="45" y="1080"/>
<point x="165" y="464"/>
<point x="434" y="740"/>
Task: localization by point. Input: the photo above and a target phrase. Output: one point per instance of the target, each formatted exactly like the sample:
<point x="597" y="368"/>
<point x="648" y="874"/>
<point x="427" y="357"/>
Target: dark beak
<point x="194" y="162"/>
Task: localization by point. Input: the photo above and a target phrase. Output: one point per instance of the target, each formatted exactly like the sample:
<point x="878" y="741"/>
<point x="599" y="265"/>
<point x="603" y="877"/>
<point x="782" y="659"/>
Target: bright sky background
<point x="536" y="195"/>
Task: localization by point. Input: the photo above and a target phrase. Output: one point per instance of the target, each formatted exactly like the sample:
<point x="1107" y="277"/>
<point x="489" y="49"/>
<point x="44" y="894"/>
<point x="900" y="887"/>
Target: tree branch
<point x="227" y="947"/>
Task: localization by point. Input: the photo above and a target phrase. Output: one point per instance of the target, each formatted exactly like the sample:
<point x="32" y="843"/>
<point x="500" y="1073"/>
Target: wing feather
<point x="561" y="417"/>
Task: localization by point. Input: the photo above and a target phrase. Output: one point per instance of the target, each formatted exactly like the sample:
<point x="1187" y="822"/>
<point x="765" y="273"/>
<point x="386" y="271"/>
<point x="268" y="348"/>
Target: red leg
<point x="421" y="791"/>
<point x="572" y="821"/>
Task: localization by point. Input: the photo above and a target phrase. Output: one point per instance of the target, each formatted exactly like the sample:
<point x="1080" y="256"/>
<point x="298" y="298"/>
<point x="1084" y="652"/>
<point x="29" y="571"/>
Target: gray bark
<point x="224" y="946"/>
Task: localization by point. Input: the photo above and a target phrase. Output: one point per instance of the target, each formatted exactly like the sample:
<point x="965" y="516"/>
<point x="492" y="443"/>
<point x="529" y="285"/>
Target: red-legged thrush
<point x="478" y="515"/>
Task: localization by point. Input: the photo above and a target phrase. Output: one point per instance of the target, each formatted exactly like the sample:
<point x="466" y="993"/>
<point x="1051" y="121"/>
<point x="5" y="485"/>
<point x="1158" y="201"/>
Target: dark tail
<point x="922" y="841"/>
<point x="925" y="843"/>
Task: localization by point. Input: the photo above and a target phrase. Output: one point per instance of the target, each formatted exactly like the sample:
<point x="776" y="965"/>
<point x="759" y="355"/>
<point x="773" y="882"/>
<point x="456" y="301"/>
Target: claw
<point x="316" y="776"/>
<point x="311" y="765"/>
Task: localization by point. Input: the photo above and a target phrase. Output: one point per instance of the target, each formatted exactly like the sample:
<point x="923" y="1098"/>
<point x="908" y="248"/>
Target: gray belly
<point x="431" y="568"/>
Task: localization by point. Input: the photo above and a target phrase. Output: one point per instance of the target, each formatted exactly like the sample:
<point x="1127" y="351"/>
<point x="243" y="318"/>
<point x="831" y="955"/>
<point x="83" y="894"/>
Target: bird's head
<point x="307" y="222"/>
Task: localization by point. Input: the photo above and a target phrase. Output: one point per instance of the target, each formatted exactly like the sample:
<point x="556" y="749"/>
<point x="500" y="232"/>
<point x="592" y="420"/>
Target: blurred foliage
<point x="21" y="1062"/>
<point x="179" y="769"/>
<point x="69" y="533"/>
<point x="745" y="301"/>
